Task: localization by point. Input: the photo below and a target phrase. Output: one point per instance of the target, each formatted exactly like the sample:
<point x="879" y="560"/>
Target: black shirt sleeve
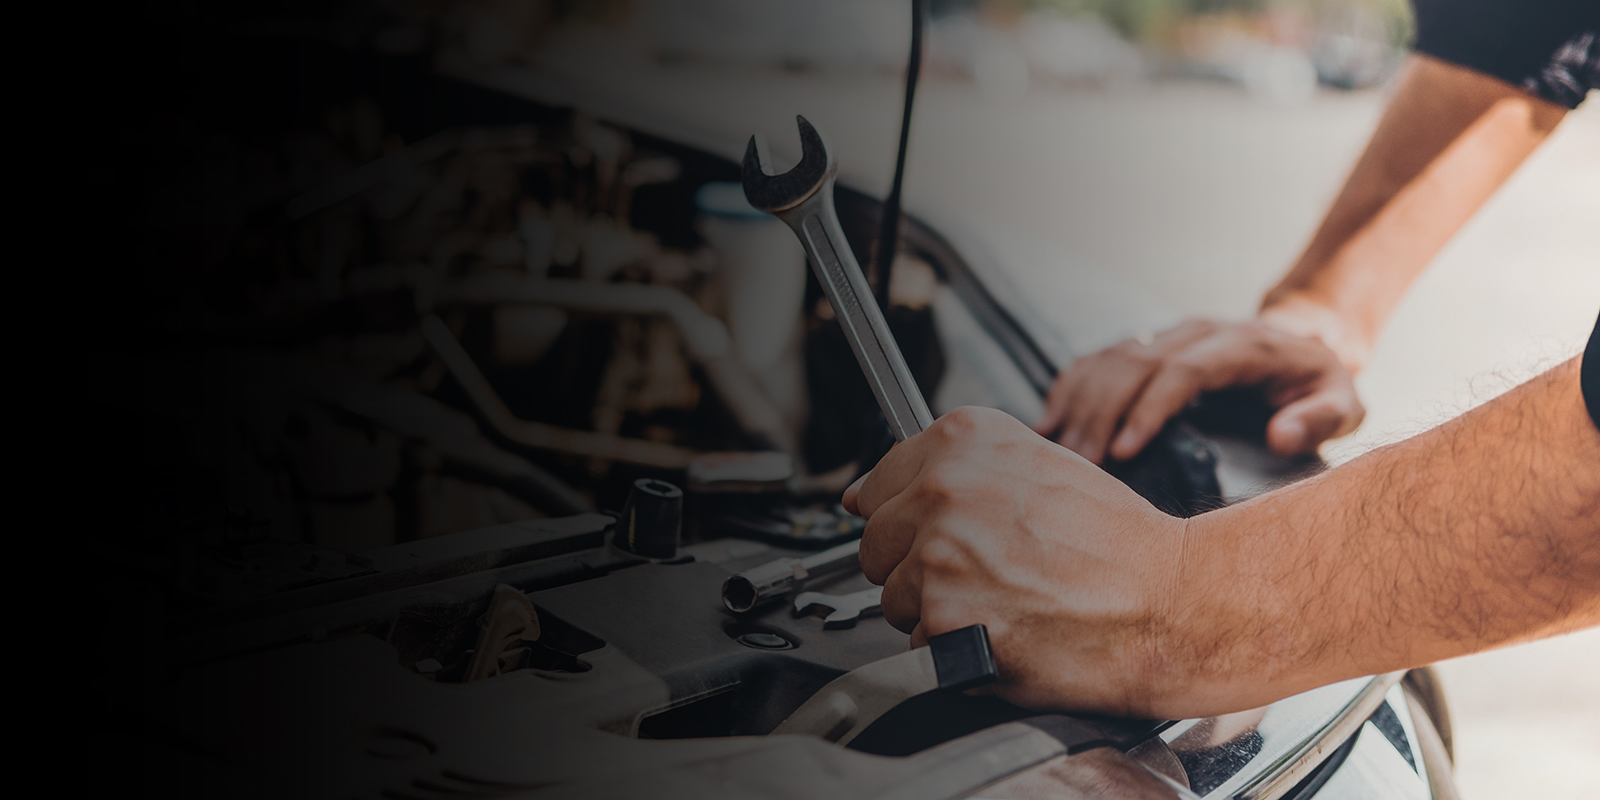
<point x="1590" y="375"/>
<point x="1549" y="48"/>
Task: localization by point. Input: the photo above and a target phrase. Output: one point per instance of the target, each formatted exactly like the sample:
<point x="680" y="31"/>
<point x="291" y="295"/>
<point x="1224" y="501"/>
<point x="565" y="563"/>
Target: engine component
<point x="761" y="277"/>
<point x="704" y="336"/>
<point x="718" y="473"/>
<point x="652" y="521"/>
<point x="539" y="435"/>
<point x="954" y="661"/>
<point x="753" y="588"/>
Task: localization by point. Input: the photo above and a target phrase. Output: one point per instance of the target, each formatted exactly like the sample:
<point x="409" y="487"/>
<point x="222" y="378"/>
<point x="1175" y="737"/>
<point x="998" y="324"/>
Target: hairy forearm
<point x="1448" y="139"/>
<point x="1482" y="532"/>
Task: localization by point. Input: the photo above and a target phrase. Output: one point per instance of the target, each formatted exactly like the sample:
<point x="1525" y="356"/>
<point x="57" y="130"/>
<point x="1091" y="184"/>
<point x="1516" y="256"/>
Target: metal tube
<point x="774" y="579"/>
<point x="704" y="336"/>
<point x="537" y="434"/>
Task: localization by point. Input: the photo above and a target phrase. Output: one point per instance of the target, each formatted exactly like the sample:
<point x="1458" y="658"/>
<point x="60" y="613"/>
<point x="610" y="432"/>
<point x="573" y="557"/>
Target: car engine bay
<point x="404" y="405"/>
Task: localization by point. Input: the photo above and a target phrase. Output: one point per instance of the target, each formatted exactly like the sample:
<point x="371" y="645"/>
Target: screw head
<point x="764" y="641"/>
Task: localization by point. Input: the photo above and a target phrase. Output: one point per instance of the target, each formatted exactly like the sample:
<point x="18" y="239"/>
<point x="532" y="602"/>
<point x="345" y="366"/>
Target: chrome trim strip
<point x="1293" y="766"/>
<point x="1262" y="753"/>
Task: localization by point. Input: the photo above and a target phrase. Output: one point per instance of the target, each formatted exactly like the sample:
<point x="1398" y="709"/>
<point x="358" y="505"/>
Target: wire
<point x="889" y="223"/>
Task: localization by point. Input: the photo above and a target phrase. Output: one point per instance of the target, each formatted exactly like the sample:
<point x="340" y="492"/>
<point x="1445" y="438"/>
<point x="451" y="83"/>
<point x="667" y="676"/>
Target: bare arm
<point x="1479" y="533"/>
<point x="1448" y="139"/>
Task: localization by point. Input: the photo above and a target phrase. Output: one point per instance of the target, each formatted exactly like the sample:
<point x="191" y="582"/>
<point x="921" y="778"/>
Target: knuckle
<point x="968" y="421"/>
<point x="955" y="424"/>
<point x="1134" y="356"/>
<point x="991" y="421"/>
<point x="1128" y="350"/>
<point x="1269" y="350"/>
<point x="972" y="415"/>
<point x="1187" y="367"/>
<point x="1147" y="362"/>
<point x="937" y="488"/>
<point x="943" y="555"/>
<point x="1267" y="333"/>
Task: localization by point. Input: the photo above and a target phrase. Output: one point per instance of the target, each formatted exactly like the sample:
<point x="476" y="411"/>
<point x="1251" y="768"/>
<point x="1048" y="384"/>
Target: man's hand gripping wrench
<point x="957" y="660"/>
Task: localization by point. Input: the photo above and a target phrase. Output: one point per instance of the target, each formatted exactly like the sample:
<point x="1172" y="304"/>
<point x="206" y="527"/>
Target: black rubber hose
<point x="889" y="223"/>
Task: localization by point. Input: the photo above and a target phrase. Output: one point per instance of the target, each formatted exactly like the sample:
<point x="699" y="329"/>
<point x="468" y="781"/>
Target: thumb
<point x="1302" y="425"/>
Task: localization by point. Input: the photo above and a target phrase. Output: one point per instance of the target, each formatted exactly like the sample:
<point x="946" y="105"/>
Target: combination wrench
<point x="803" y="199"/>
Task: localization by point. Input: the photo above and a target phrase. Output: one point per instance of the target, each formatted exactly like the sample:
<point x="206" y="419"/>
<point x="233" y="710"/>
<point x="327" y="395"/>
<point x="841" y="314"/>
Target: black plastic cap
<point x="962" y="658"/>
<point x="652" y="520"/>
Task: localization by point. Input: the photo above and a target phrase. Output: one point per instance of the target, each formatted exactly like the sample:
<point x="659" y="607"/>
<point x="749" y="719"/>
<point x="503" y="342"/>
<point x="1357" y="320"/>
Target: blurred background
<point x="1173" y="153"/>
<point x="1278" y="50"/>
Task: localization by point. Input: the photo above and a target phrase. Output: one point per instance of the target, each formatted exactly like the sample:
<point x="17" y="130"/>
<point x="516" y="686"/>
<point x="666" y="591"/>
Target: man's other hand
<point x="1112" y="403"/>
<point x="978" y="520"/>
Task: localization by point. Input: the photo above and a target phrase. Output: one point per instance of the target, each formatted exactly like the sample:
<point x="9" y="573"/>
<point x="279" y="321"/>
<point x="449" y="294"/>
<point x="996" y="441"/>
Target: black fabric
<point x="1590" y="376"/>
<point x="1549" y="48"/>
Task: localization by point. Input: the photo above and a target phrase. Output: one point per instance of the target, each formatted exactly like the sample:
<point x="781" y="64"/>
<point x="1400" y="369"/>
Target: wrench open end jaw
<point x="774" y="193"/>
<point x="842" y="611"/>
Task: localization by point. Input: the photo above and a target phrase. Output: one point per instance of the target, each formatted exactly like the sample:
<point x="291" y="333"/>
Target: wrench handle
<point x="817" y="224"/>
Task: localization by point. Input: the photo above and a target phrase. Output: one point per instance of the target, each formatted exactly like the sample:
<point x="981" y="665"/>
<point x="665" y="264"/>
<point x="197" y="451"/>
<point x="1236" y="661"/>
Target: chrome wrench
<point x="803" y="199"/>
<point x="843" y="610"/>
